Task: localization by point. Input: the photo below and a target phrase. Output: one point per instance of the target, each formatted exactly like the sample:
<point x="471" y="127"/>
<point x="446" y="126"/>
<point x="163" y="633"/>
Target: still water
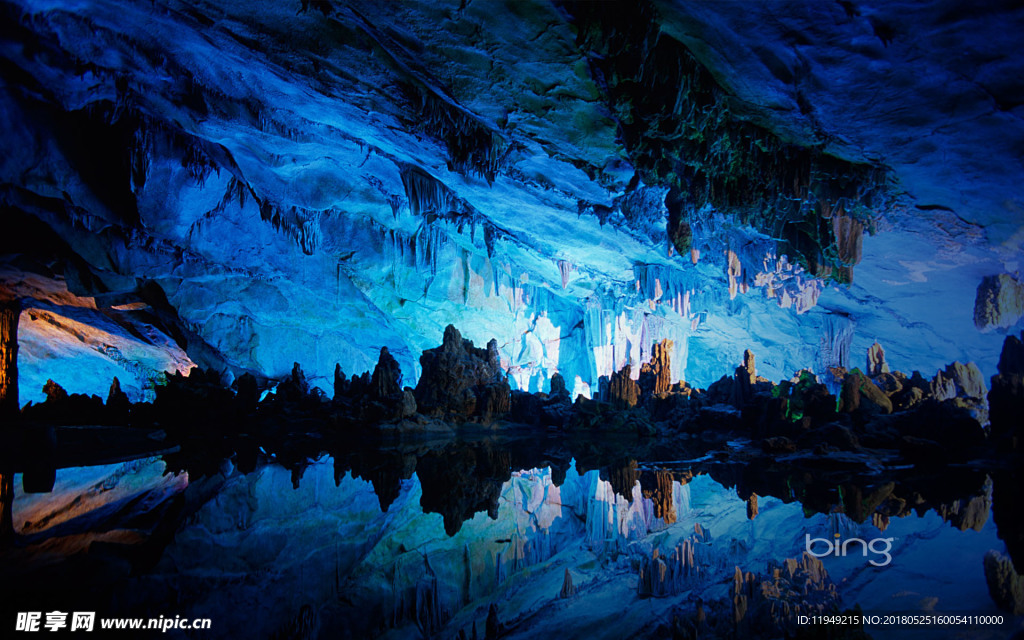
<point x="442" y="539"/>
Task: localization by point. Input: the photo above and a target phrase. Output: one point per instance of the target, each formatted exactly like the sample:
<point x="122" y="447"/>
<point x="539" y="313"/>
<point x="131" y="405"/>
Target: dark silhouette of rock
<point x="778" y="444"/>
<point x="341" y="383"/>
<point x="387" y="376"/>
<point x="558" y="386"/>
<point x="568" y="589"/>
<point x="54" y="392"/>
<point x="247" y="393"/>
<point x="461" y="481"/>
<point x="452" y="373"/>
<point x="1006" y="399"/>
<point x="494" y="627"/>
<point x="118" y="405"/>
<point x="294" y="387"/>
<point x="1005" y="585"/>
<point x="833" y="435"/>
<point x="494" y="400"/>
<point x="6" y="505"/>
<point x="195" y="401"/>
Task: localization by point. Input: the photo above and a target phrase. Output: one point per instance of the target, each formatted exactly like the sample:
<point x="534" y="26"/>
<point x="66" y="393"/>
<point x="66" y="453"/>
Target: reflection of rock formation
<point x="10" y="310"/>
<point x="623" y="477"/>
<point x="999" y="302"/>
<point x="1005" y="585"/>
<point x="657" y="486"/>
<point x="6" y="506"/>
<point x="1006" y="406"/>
<point x="460" y="482"/>
<point x="686" y="566"/>
<point x="768" y="605"/>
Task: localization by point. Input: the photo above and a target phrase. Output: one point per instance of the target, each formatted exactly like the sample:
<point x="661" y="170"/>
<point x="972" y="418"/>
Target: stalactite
<point x="472" y="146"/>
<point x="425" y="193"/>
<point x="564" y="269"/>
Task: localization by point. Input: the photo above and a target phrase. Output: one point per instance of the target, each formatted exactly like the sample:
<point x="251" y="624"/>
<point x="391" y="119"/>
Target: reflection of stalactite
<point x="6" y="508"/>
<point x="687" y="566"/>
<point x="10" y="311"/>
<point x="430" y="615"/>
<point x="658" y="487"/>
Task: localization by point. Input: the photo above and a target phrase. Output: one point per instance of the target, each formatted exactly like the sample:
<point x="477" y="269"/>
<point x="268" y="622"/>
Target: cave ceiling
<point x="244" y="185"/>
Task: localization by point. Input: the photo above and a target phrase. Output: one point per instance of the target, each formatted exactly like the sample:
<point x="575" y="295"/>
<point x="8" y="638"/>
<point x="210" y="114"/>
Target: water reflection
<point x="574" y="537"/>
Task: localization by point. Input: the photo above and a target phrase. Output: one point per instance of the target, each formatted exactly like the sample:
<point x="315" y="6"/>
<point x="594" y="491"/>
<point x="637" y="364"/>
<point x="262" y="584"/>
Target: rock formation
<point x="10" y="310"/>
<point x="568" y="589"/>
<point x="622" y="390"/>
<point x="387" y="376"/>
<point x="656" y="375"/>
<point x="454" y="374"/>
<point x="769" y="604"/>
<point x="657" y="486"/>
<point x="1005" y="585"/>
<point x="876" y="361"/>
<point x="999" y="302"/>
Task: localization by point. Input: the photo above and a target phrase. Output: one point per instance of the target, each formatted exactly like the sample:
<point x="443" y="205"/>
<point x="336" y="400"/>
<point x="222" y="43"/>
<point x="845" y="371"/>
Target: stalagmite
<point x="387" y="376"/>
<point x="656" y="375"/>
<point x="749" y="365"/>
<point x="568" y="589"/>
<point x="752" y="509"/>
<point x="622" y="390"/>
<point x="10" y="310"/>
<point x="876" y="361"/>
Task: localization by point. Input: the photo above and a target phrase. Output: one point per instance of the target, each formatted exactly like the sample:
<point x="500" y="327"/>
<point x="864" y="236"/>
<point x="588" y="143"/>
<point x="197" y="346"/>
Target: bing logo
<point x="837" y="548"/>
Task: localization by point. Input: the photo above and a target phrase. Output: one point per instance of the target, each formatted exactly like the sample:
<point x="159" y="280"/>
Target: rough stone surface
<point x="999" y="302"/>
<point x="1005" y="585"/>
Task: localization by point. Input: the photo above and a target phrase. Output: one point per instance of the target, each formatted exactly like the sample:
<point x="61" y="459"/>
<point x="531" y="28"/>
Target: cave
<point x="506" y="318"/>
